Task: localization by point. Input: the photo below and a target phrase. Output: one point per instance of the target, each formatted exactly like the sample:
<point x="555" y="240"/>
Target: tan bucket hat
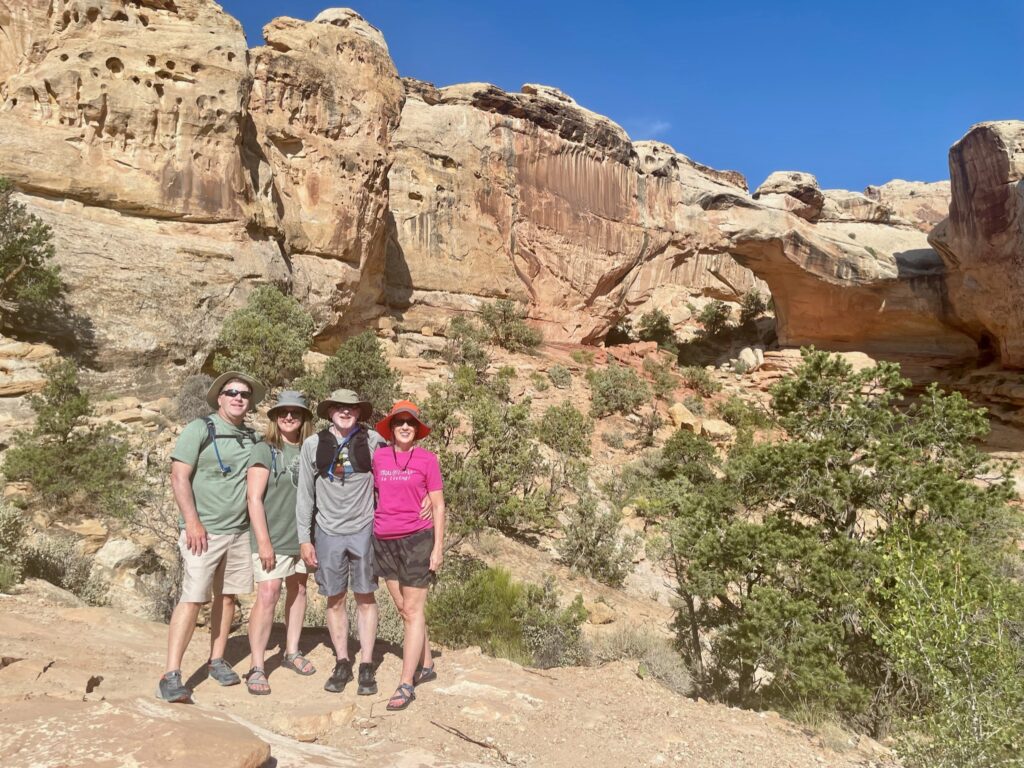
<point x="258" y="390"/>
<point x="344" y="397"/>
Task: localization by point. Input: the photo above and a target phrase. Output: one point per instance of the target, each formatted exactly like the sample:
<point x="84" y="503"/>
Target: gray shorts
<point x="343" y="559"/>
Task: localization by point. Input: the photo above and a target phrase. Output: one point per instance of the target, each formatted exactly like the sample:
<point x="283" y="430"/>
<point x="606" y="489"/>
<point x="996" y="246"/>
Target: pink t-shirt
<point x="402" y="480"/>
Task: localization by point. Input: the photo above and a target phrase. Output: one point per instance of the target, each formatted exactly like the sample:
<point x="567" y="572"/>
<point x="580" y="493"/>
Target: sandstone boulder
<point x="982" y="240"/>
<point x="793" y="191"/>
<point x="920" y="204"/>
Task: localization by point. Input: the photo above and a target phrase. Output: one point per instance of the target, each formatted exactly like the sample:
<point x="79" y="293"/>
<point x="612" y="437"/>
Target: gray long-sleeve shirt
<point x="339" y="505"/>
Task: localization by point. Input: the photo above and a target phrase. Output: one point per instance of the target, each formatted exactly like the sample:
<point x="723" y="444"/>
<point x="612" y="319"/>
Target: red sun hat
<point x="408" y="408"/>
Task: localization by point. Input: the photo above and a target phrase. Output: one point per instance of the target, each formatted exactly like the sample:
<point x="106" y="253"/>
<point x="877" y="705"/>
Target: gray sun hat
<point x="289" y="398"/>
<point x="258" y="390"/>
<point x="344" y="397"/>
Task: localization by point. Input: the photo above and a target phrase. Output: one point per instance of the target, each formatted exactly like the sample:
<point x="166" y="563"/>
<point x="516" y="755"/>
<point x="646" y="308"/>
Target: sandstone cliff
<point x="179" y="169"/>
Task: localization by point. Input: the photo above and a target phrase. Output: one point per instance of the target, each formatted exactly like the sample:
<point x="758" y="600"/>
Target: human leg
<point x="413" y="601"/>
<point x="179" y="632"/>
<point x="337" y="624"/>
<point x="261" y="619"/>
<point x="294" y="616"/>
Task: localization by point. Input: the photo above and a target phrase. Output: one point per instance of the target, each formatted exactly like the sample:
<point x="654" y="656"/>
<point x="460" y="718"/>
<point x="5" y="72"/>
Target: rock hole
<point x="177" y="99"/>
<point x="149" y="83"/>
<point x="135" y="79"/>
<point x="159" y="89"/>
<point x="6" y="661"/>
<point x="439" y="188"/>
<point x="75" y="16"/>
<point x="63" y="57"/>
<point x="92" y="14"/>
<point x="144" y="20"/>
<point x="169" y="64"/>
<point x="987" y="350"/>
<point x="415" y="196"/>
<point x="151" y="60"/>
<point x="222" y="92"/>
<point x="85" y="55"/>
<point x="231" y="56"/>
<point x="196" y="67"/>
<point x="119" y="16"/>
<point x="14" y="102"/>
<point x="46" y="669"/>
<point x="94" y="683"/>
<point x="114" y="65"/>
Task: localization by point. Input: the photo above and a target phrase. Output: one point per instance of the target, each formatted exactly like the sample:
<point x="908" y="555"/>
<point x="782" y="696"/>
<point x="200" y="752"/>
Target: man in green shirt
<point x="208" y="470"/>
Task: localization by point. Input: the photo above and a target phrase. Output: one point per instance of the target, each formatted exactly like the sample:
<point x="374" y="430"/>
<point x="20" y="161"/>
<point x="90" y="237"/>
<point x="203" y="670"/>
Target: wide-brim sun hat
<point x="407" y="408"/>
<point x="344" y="397"/>
<point x="258" y="390"/>
<point x="289" y="398"/>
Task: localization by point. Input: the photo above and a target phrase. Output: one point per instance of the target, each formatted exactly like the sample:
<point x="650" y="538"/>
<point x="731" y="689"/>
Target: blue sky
<point x="856" y="93"/>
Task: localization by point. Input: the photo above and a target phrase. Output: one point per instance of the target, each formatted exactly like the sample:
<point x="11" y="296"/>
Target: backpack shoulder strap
<point x="211" y="434"/>
<point x="326" y="451"/>
<point x="359" y="452"/>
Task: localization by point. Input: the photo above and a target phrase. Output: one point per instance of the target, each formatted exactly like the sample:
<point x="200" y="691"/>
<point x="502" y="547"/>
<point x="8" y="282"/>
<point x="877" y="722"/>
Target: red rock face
<point x="982" y="241"/>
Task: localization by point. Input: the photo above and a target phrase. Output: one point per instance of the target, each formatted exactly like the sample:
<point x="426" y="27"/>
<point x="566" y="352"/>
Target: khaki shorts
<point x="284" y="566"/>
<point x="225" y="568"/>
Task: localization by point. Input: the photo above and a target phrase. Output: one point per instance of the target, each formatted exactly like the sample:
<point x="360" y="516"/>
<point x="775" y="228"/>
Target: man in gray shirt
<point x="334" y="512"/>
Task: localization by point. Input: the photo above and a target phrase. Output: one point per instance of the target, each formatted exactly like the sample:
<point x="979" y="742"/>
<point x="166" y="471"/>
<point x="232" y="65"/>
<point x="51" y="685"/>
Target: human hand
<point x="195" y="537"/>
<point x="436" y="558"/>
<point x="308" y="554"/>
<point x="267" y="557"/>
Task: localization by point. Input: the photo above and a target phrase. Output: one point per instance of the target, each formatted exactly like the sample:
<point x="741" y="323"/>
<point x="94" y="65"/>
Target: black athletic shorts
<point x="405" y="560"/>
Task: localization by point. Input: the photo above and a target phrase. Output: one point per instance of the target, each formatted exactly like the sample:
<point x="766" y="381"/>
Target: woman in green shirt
<point x="271" y="483"/>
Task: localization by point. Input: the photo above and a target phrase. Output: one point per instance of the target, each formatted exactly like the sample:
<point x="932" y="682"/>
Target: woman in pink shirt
<point x="408" y="549"/>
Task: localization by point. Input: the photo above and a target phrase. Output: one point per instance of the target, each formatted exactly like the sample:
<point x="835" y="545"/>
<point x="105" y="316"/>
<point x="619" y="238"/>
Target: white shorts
<point x="284" y="566"/>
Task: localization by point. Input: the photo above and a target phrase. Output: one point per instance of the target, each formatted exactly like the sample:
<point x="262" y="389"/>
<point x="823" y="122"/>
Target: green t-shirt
<point x="220" y="496"/>
<point x="279" y="498"/>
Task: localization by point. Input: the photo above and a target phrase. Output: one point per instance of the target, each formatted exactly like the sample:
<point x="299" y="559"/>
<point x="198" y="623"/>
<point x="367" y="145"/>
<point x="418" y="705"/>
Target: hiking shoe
<point x="367" y="681"/>
<point x="172" y="689"/>
<point x="222" y="672"/>
<point x="340" y="677"/>
<point x="424" y="675"/>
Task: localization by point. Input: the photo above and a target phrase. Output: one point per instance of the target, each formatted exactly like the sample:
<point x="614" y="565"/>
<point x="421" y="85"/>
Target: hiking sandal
<point x="298" y="663"/>
<point x="222" y="672"/>
<point x="256" y="682"/>
<point x="401" y="698"/>
<point x="424" y="675"/>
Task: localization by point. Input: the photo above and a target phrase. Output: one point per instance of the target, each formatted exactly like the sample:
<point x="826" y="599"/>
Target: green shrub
<point x="752" y="307"/>
<point x="359" y="364"/>
<point x="505" y="322"/>
<point x="28" y="278"/>
<point x="647" y="428"/>
<point x="655" y="326"/>
<point x="663" y="381"/>
<point x="859" y="566"/>
<point x="73" y="466"/>
<point x="741" y="414"/>
<point x="616" y="389"/>
<point x="584" y="357"/>
<point x="192" y="398"/>
<point x="464" y="342"/>
<point x="700" y="380"/>
<point x="565" y="429"/>
<point x="613" y="439"/>
<point x="540" y="382"/>
<point x="694" y="404"/>
<point x="714" y="317"/>
<point x="654" y="655"/>
<point x="560" y="376"/>
<point x="592" y="544"/>
<point x="12" y="558"/>
<point x="482" y="606"/>
<point x="59" y="561"/>
<point x="266" y="338"/>
<point x="489" y="457"/>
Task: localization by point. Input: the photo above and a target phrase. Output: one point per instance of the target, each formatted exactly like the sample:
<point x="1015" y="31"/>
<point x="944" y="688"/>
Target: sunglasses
<point x="294" y="413"/>
<point x="242" y="393"/>
<point x="404" y="422"/>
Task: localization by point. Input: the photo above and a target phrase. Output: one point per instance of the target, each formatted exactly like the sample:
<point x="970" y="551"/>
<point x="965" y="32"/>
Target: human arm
<point x="437" y="553"/>
<point x="256" y="485"/>
<point x="305" y="500"/>
<point x="181" y="487"/>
